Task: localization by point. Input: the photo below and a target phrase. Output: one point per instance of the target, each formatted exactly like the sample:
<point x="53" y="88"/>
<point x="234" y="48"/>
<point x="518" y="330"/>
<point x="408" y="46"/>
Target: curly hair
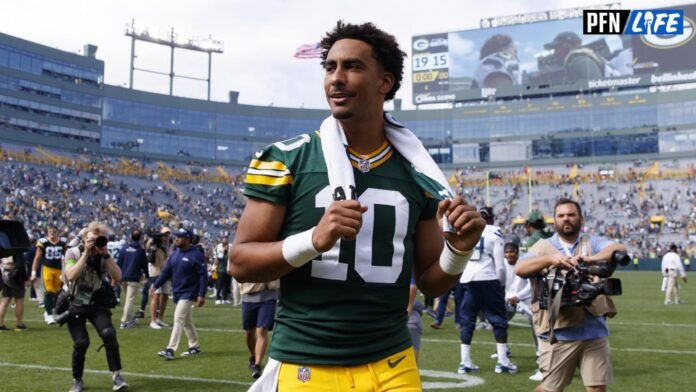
<point x="385" y="49"/>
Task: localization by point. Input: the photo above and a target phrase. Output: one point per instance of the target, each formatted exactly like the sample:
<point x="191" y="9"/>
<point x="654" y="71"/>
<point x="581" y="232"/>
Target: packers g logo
<point x="421" y="44"/>
<point x="669" y="41"/>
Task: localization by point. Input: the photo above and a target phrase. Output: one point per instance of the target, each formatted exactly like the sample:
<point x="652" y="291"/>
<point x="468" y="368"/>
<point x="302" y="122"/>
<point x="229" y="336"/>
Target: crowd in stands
<point x="633" y="204"/>
<point x="70" y="198"/>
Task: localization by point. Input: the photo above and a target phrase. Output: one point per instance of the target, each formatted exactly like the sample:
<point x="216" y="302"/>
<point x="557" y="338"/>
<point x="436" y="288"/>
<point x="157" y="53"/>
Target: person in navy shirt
<point x="133" y="264"/>
<point x="187" y="270"/>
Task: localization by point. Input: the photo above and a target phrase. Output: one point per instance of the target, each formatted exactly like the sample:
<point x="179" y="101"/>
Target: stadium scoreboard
<point x="547" y="53"/>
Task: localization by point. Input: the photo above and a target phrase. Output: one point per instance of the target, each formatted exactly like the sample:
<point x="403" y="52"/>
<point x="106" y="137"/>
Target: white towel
<point x="333" y="144"/>
<point x="269" y="378"/>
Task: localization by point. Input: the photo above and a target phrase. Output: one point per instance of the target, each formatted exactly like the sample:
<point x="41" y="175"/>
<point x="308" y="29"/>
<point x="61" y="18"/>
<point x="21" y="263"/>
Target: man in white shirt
<point x="518" y="293"/>
<point x="671" y="266"/>
<point x="484" y="289"/>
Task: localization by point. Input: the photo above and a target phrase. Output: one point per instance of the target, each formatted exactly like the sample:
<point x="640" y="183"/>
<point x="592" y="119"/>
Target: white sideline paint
<point x="461" y="380"/>
<point x="129" y="374"/>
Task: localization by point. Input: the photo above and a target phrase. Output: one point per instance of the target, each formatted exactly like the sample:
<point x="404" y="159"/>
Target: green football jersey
<point x="52" y="253"/>
<point x="348" y="306"/>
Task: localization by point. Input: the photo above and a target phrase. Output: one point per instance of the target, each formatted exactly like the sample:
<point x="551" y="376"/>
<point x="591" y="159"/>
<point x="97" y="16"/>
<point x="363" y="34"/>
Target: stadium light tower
<point x="205" y="45"/>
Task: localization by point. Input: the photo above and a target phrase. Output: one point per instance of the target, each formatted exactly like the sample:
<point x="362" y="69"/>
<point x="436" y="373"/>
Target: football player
<point x="49" y="255"/>
<point x="346" y="265"/>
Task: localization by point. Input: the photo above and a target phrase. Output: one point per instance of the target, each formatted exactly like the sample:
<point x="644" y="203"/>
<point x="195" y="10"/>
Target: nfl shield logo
<point x="303" y="374"/>
<point x="364" y="165"/>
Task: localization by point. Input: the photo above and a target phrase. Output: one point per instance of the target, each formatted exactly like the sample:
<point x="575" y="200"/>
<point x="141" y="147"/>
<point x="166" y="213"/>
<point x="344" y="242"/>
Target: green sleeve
<point x="269" y="176"/>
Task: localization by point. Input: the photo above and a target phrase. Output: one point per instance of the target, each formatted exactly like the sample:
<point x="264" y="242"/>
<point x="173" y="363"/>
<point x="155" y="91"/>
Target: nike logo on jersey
<point x="258" y="154"/>
<point x="395" y="363"/>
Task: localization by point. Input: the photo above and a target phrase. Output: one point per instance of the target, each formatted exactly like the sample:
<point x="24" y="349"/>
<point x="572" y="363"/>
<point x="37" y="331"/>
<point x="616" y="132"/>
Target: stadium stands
<point x="640" y="203"/>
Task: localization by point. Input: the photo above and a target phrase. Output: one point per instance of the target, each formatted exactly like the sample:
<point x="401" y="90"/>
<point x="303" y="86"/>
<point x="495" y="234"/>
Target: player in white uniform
<point x="484" y="289"/>
<point x="114" y="247"/>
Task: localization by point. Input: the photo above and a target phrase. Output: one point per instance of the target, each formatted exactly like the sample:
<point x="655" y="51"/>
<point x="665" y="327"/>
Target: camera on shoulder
<point x="584" y="283"/>
<point x="156" y="237"/>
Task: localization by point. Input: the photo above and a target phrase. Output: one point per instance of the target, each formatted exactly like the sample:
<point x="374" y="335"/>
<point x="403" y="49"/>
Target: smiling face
<point x="355" y="83"/>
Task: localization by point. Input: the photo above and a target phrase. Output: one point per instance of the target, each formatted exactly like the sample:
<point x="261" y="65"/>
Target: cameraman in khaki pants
<point x="581" y="332"/>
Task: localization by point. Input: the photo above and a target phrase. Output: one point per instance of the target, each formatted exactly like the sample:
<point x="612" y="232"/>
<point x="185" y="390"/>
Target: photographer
<point x="12" y="286"/>
<point x="157" y="247"/>
<point x="580" y="332"/>
<point x="91" y="298"/>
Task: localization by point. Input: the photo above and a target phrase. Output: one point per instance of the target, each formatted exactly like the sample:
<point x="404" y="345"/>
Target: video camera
<point x="14" y="240"/>
<point x="582" y="284"/>
<point x="156" y="237"/>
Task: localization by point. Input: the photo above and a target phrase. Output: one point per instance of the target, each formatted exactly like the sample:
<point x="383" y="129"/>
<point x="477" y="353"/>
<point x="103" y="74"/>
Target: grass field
<point x="653" y="348"/>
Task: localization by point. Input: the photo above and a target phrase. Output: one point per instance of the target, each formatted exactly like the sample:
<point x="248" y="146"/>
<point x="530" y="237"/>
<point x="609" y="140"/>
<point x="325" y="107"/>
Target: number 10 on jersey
<point x="329" y="266"/>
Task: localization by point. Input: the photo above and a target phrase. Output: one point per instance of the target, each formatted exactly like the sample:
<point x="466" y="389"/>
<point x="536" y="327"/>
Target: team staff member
<point x="581" y="333"/>
<point x="224" y="280"/>
<point x="133" y="264"/>
<point x="536" y="229"/>
<point x="49" y="255"/>
<point x="12" y="286"/>
<point x="159" y="252"/>
<point x="187" y="270"/>
<point x="671" y="268"/>
<point x="342" y="319"/>
<point x="518" y="294"/>
<point x="258" y="311"/>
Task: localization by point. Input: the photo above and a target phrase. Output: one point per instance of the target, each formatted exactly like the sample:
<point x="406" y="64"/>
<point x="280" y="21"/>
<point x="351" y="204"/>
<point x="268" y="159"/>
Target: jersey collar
<point x="367" y="162"/>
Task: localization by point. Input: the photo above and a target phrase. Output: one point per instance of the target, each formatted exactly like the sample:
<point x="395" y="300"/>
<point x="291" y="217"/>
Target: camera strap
<point x="554" y="305"/>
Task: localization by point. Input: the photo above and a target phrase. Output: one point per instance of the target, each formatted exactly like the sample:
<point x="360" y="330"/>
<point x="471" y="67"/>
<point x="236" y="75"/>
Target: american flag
<point x="309" y="51"/>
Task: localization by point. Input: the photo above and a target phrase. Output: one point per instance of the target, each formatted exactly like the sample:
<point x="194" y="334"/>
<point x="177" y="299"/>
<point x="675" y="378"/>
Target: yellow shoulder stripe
<point x="273" y="165"/>
<point x="268" y="180"/>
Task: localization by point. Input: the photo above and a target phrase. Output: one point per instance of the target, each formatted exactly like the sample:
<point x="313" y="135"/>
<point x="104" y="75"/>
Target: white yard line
<point x="129" y="374"/>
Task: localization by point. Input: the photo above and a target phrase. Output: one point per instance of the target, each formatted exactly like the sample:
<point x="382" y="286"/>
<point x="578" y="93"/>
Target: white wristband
<point x="298" y="249"/>
<point x="33" y="274"/>
<point x="453" y="261"/>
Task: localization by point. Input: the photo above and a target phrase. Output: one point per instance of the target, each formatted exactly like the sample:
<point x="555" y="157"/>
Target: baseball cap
<point x="165" y="229"/>
<point x="535" y="216"/>
<point x="183" y="232"/>
<point x="486" y="212"/>
<point x="566" y="36"/>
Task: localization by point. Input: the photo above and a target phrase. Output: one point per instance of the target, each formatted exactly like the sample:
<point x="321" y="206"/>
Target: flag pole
<point x="488" y="189"/>
<point x="529" y="187"/>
